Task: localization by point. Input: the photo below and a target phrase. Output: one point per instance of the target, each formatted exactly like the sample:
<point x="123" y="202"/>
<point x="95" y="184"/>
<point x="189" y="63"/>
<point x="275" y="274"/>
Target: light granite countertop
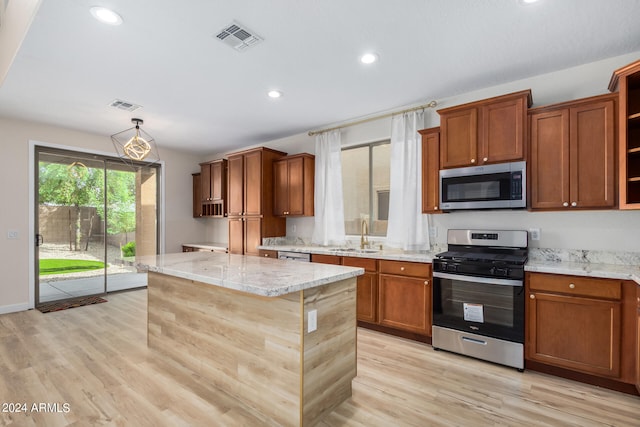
<point x="388" y="254"/>
<point x="259" y="276"/>
<point x="623" y="266"/>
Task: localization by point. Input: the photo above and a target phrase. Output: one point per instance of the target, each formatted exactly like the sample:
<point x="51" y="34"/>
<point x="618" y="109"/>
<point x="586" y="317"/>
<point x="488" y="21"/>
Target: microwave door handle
<point x="474" y="279"/>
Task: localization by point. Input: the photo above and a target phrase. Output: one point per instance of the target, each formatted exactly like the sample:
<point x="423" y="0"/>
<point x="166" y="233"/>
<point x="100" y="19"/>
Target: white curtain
<point x="328" y="202"/>
<point x="408" y="227"/>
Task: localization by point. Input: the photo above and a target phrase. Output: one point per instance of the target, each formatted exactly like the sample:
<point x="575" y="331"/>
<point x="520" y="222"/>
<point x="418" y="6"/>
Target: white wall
<point x="595" y="230"/>
<point x="14" y="196"/>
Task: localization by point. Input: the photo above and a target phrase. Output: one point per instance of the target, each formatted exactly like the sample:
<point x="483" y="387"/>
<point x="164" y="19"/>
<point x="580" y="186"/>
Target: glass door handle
<point x="39" y="239"/>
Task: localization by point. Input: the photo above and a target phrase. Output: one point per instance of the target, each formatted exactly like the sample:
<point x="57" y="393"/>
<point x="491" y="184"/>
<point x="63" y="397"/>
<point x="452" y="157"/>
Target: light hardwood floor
<point x="95" y="359"/>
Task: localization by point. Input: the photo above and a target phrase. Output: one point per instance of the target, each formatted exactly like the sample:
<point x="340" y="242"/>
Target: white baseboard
<point x="4" y="309"/>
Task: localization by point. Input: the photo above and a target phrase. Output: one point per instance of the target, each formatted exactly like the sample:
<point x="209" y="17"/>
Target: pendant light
<point x="135" y="145"/>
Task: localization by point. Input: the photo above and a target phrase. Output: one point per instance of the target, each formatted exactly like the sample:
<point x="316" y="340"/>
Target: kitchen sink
<point x="355" y="250"/>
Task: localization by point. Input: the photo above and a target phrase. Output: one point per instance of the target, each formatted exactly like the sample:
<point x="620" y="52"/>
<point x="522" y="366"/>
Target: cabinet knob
<point x="532" y="296"/>
<point x="574" y="204"/>
<point x="485" y="159"/>
<point x="266" y="255"/>
<point x="572" y="286"/>
<point x="565" y="204"/>
<point x="473" y="160"/>
<point x="426" y="282"/>
<point x="401" y="268"/>
<point x="435" y="208"/>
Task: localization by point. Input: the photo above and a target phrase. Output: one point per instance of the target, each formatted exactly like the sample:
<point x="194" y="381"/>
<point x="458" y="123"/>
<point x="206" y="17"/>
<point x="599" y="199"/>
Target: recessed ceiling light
<point x="528" y="1"/>
<point x="105" y="15"/>
<point x="274" y="94"/>
<point x="368" y="58"/>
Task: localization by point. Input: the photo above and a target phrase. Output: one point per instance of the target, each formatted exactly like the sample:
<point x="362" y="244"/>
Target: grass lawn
<point x="60" y="266"/>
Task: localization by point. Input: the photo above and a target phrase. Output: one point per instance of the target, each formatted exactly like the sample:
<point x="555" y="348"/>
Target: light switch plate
<point x="534" y="233"/>
<point x="13" y="234"/>
<point x="312" y="321"/>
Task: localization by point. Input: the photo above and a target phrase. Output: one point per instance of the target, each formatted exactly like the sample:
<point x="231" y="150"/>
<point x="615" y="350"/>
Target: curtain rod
<point x="431" y="104"/>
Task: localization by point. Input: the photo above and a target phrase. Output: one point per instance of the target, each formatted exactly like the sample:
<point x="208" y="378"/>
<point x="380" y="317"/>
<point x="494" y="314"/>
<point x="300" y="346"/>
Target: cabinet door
<point x="592" y="166"/>
<point x="430" y="172"/>
<point x="581" y="334"/>
<point x="205" y="182"/>
<point x="503" y="131"/>
<point x="236" y="236"/>
<point x="295" y="179"/>
<point x="459" y="138"/>
<point x="217" y="180"/>
<point x="253" y="183"/>
<point x="235" y="173"/>
<point x="549" y="166"/>
<point x="252" y="235"/>
<point x="197" y="195"/>
<point x="367" y="297"/>
<point x="405" y="303"/>
<point x="280" y="187"/>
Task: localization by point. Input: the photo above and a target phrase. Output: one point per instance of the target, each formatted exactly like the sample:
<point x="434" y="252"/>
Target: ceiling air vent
<point x="124" y="105"/>
<point x="238" y="37"/>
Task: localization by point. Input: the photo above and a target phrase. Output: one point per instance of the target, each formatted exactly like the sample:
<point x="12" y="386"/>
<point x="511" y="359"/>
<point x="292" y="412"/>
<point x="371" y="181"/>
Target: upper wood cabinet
<point x="482" y="132"/>
<point x="213" y="188"/>
<point x="293" y="185"/>
<point x="626" y="81"/>
<point x="197" y="195"/>
<point x="250" y="199"/>
<point x="575" y="323"/>
<point x="430" y="170"/>
<point x="572" y="160"/>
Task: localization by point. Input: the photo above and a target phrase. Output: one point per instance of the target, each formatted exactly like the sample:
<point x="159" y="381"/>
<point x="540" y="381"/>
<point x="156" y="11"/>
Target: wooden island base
<point x="257" y="349"/>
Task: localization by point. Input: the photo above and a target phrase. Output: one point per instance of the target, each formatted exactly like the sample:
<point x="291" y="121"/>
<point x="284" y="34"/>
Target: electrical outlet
<point x="12" y="234"/>
<point x="433" y="232"/>
<point x="535" y="233"/>
<point x="312" y="321"/>
<point x="293" y="228"/>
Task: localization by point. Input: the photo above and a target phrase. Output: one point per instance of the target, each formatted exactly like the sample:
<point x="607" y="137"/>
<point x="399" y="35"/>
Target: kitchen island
<point x="246" y="325"/>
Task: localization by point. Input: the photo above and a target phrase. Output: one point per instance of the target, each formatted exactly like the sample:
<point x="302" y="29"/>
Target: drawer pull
<point x="572" y="286"/>
<point x="401" y="268"/>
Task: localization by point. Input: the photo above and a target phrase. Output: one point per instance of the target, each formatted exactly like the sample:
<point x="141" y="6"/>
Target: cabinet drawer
<point x="367" y="263"/>
<point x="325" y="259"/>
<point x="576" y="285"/>
<point x="267" y="253"/>
<point x="413" y="269"/>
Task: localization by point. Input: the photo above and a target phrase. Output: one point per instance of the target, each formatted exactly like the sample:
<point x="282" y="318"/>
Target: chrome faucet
<point x="364" y="232"/>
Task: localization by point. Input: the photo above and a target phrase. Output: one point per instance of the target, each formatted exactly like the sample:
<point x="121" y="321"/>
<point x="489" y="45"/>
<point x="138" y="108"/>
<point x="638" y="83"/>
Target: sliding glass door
<point x="93" y="213"/>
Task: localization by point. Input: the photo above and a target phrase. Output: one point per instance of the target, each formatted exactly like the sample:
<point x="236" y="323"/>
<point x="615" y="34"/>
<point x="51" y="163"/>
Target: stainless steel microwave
<point x="499" y="186"/>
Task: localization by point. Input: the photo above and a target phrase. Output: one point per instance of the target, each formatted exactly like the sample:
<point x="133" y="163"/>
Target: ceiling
<point x="200" y="95"/>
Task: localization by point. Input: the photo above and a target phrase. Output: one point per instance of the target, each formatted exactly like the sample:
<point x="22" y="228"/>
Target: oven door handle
<point x="487" y="280"/>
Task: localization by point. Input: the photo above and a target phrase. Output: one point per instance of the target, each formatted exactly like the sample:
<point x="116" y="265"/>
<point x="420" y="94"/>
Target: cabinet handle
<point x="532" y="296"/>
<point x="574" y="204"/>
<point x="485" y="159"/>
<point x="426" y="282"/>
<point x="401" y="268"/>
<point x="473" y="160"/>
<point x="565" y="204"/>
<point x="572" y="286"/>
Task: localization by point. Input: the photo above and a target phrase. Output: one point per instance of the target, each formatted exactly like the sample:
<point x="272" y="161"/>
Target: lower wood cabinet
<point x="367" y="300"/>
<point x="405" y="296"/>
<point x="575" y="323"/>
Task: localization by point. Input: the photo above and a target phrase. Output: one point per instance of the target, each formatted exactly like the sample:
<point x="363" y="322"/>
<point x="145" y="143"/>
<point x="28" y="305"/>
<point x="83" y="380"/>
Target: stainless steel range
<point x="478" y="295"/>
